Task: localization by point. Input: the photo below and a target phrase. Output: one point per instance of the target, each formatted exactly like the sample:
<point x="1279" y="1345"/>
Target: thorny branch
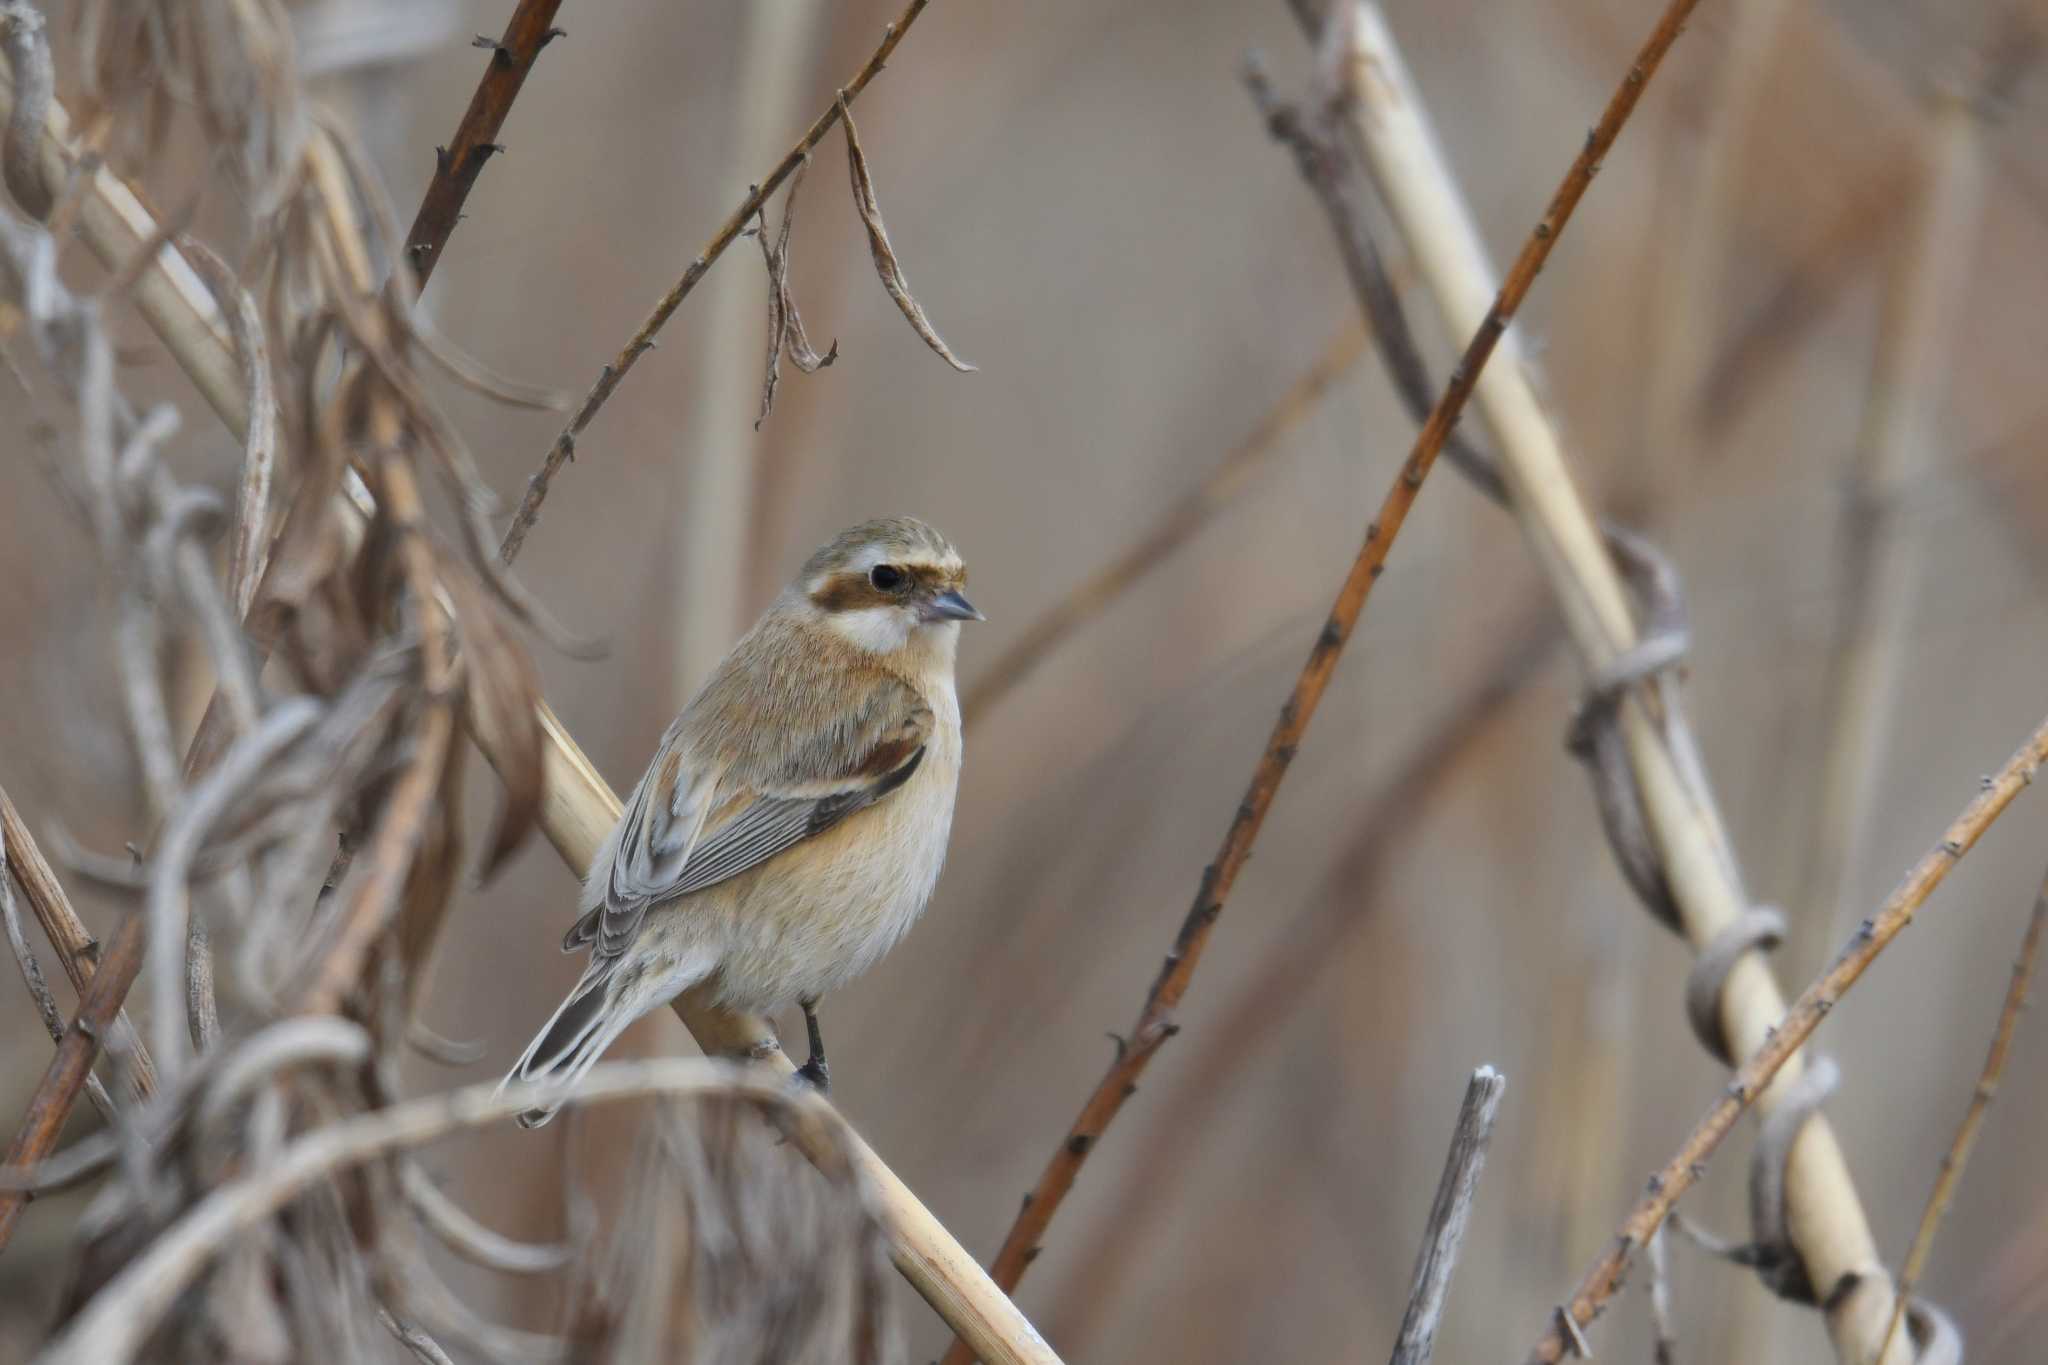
<point x="1155" y="1024"/>
<point x="642" y="341"/>
<point x="458" y="164"/>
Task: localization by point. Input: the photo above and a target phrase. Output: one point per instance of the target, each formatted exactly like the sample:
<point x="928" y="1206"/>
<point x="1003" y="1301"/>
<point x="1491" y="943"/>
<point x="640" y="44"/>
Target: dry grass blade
<point x="718" y="1195"/>
<point x="1678" y="1175"/>
<point x="1958" y="1154"/>
<point x="887" y="267"/>
<point x="28" y="55"/>
<point x="1155" y="1023"/>
<point x="1447" y="1218"/>
<point x="38" y="988"/>
<point x="115" y="1323"/>
<point x="564" y="448"/>
<point x="77" y="950"/>
<point x="251" y="546"/>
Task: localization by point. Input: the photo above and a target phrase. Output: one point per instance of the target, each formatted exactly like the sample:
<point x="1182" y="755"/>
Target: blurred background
<point x="1086" y="203"/>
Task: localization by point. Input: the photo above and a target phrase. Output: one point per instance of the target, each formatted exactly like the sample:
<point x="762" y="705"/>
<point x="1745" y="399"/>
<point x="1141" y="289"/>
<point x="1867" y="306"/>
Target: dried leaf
<point x="259" y="449"/>
<point x="500" y="694"/>
<point x="785" y="323"/>
<point x="886" y="266"/>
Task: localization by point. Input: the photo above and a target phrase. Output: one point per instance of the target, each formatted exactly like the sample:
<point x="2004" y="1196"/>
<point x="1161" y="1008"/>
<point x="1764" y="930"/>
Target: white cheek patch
<point x="878" y="630"/>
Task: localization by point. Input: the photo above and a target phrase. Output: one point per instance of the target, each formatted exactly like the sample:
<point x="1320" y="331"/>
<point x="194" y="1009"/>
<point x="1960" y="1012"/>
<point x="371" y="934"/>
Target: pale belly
<point x="806" y="922"/>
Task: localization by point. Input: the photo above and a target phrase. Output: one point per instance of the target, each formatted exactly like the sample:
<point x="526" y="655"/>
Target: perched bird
<point x="792" y="825"/>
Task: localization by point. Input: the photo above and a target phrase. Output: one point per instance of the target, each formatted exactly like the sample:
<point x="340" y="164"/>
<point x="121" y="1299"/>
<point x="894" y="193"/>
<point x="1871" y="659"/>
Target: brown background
<point x="1085" y="202"/>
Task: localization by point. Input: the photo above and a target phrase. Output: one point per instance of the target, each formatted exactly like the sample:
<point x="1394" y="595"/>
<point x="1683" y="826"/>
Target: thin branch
<point x="38" y="988"/>
<point x="1447" y="1218"/>
<point x="1095" y="594"/>
<point x="458" y="164"/>
<point x="1644" y="739"/>
<point x="1604" y="1276"/>
<point x="1958" y="1154"/>
<point x="1155" y="1024"/>
<point x="1282" y="982"/>
<point x="77" y="950"/>
<point x="66" y="1075"/>
<point x="564" y="448"/>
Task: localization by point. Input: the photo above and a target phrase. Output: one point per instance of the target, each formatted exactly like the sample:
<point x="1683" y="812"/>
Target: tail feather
<point x="573" y="1038"/>
<point x="605" y="1001"/>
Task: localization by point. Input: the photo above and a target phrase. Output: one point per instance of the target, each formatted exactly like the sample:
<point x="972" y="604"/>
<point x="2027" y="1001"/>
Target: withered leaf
<point x="886" y="265"/>
<point x="500" y="690"/>
<point x="785" y="323"/>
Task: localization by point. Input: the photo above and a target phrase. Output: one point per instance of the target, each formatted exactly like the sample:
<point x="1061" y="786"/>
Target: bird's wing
<point x="721" y="820"/>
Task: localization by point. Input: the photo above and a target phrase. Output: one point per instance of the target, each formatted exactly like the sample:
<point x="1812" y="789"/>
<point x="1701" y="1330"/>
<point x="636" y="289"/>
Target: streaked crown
<point x="889" y="562"/>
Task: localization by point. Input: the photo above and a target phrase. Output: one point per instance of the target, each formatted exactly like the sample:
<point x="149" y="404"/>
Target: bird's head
<point x="883" y="584"/>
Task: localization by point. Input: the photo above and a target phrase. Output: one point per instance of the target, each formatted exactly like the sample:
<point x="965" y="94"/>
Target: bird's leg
<point x="814" y="1070"/>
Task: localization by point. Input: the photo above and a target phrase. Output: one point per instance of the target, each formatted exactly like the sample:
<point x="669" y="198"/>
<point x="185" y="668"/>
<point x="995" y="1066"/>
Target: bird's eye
<point x="887" y="577"/>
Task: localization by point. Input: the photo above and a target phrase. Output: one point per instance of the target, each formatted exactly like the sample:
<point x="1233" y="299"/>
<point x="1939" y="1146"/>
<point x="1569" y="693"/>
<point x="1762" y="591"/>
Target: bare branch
<point x="1677" y="1176"/>
<point x="1155" y="1023"/>
<point x="458" y="165"/>
<point x="1958" y="1155"/>
<point x="564" y="447"/>
<point x="76" y="948"/>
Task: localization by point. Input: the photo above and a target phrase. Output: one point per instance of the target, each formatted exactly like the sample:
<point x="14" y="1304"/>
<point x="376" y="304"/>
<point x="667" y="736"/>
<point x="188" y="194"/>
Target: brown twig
<point x="1094" y="594"/>
<point x="564" y="447"/>
<point x="1155" y="1023"/>
<point x="1677" y="1176"/>
<point x="1958" y="1154"/>
<point x="1447" y="1218"/>
<point x="1610" y="589"/>
<point x="77" y="950"/>
<point x="38" y="986"/>
<point x="1282" y="982"/>
<point x="67" y="1072"/>
<point x="458" y="164"/>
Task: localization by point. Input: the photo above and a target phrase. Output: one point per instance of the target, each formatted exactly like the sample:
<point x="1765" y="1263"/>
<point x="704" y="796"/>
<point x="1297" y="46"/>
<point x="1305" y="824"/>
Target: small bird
<point x="794" y="820"/>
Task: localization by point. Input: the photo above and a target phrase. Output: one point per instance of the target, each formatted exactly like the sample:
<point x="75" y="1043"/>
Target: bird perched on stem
<point x="794" y="820"/>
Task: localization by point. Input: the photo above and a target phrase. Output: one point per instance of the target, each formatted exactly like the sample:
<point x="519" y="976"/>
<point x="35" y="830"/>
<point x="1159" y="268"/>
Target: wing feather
<point x="726" y="818"/>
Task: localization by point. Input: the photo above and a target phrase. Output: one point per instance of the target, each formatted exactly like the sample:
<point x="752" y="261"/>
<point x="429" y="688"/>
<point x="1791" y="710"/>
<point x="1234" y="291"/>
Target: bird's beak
<point x="951" y="606"/>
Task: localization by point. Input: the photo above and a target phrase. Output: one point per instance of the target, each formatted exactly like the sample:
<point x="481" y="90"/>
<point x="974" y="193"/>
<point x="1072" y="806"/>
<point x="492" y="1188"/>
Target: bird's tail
<point x="575" y="1037"/>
